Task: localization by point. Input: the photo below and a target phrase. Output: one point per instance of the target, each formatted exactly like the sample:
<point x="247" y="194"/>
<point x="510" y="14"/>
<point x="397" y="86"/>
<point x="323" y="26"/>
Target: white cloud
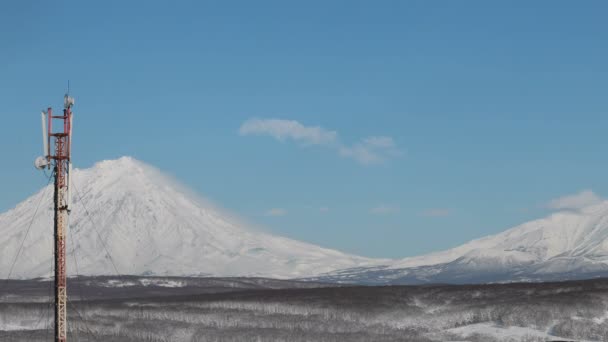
<point x="370" y="150"/>
<point x="580" y="200"/>
<point x="288" y="129"/>
<point x="324" y="209"/>
<point x="436" y="212"/>
<point x="384" y="209"/>
<point x="276" y="212"/>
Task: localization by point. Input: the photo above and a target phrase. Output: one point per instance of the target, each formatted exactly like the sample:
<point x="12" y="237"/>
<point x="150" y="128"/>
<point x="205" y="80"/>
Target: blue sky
<point x="385" y="128"/>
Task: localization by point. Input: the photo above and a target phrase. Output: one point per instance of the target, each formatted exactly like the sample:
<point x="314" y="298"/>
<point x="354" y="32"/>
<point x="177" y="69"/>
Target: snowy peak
<point x="152" y="225"/>
<point x="564" y="245"/>
<point x="124" y="174"/>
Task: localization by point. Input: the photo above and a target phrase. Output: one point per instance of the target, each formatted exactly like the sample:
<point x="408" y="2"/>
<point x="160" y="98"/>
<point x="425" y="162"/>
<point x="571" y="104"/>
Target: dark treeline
<point x="576" y="310"/>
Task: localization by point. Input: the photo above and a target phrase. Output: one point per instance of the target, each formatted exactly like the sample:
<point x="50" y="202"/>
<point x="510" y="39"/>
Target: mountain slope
<point x="150" y="225"/>
<point x="564" y="245"/>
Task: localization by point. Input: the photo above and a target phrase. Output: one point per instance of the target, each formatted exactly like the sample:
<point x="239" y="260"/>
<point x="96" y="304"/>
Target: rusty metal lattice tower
<point x="59" y="161"/>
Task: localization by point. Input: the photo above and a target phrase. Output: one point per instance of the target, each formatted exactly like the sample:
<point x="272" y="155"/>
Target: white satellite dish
<point x="41" y="162"/>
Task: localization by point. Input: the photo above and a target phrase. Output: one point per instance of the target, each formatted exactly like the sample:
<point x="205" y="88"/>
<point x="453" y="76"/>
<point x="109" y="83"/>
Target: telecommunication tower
<point x="57" y="151"/>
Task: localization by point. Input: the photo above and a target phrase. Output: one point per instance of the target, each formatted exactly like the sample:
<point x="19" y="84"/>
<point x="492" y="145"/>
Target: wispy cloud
<point x="576" y="201"/>
<point x="436" y="212"/>
<point x="289" y="129"/>
<point x="324" y="209"/>
<point x="384" y="209"/>
<point x="370" y="150"/>
<point x="276" y="212"/>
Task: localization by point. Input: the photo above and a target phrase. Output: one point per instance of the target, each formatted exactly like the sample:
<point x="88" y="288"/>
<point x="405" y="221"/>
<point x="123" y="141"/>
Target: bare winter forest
<point x="186" y="309"/>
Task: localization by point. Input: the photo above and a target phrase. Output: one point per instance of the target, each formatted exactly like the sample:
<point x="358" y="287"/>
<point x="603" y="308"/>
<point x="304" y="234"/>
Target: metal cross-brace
<point x="60" y="251"/>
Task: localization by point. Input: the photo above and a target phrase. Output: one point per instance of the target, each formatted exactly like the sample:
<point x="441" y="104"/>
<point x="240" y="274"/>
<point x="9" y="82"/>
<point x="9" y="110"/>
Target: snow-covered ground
<point x="505" y="333"/>
<point x="214" y="310"/>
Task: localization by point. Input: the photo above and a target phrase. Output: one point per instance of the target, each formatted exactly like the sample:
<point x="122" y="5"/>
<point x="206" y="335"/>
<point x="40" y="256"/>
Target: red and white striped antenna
<point x="60" y="160"/>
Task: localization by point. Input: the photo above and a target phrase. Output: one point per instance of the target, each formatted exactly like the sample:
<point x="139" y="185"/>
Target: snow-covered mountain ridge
<point x="564" y="245"/>
<point x="151" y="225"/>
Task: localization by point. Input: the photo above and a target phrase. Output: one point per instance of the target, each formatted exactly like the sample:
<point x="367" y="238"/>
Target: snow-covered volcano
<point x="149" y="224"/>
<point x="565" y="245"/>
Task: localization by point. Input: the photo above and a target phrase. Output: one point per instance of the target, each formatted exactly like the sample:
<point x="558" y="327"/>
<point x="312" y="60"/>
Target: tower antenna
<point x="61" y="163"/>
